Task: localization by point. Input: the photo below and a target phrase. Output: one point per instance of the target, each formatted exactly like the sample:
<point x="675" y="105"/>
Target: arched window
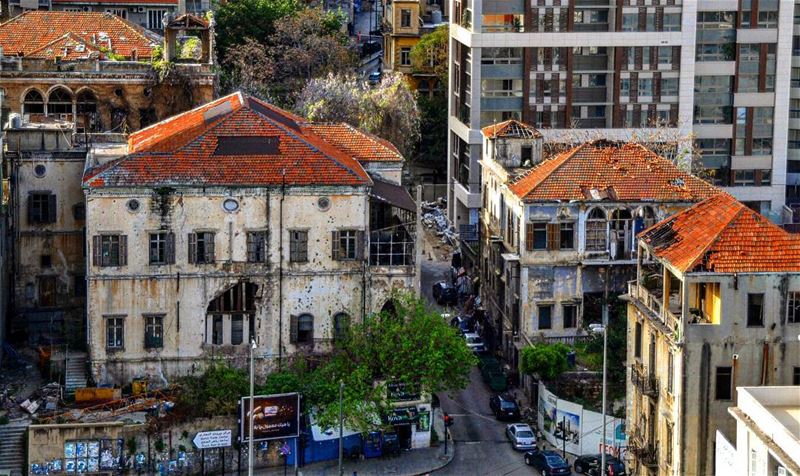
<point x="33" y="103"/>
<point x="621" y="233"/>
<point x="303" y="329"/>
<point x="59" y="102"/>
<point x="648" y="217"/>
<point x="341" y="322"/>
<point x="596" y="230"/>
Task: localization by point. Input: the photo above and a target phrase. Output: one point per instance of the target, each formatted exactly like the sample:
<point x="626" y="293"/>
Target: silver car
<point x="521" y="436"/>
<point x="474" y="342"/>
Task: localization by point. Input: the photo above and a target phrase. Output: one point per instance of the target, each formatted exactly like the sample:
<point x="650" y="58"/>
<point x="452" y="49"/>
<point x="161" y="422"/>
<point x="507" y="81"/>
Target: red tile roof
<point x="32" y="32"/>
<point x="510" y="128"/>
<point x="234" y="141"/>
<point x="595" y="170"/>
<point x="360" y="145"/>
<point x="722" y="235"/>
<point x="69" y="47"/>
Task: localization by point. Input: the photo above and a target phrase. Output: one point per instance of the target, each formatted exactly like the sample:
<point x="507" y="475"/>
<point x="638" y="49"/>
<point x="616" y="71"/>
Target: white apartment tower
<point x="718" y="72"/>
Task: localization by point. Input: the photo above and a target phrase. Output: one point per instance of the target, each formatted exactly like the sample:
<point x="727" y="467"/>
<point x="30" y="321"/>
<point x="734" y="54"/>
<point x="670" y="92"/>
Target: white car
<point x="474" y="342"/>
<point x="521" y="436"/>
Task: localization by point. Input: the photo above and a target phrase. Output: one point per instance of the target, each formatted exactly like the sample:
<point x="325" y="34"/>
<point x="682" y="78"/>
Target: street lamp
<point x="341" y="393"/>
<point x="252" y="411"/>
<point x="597" y="328"/>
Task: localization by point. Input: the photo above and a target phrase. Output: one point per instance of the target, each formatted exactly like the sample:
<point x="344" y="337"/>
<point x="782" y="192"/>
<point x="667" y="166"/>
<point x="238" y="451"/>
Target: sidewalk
<point x="409" y="463"/>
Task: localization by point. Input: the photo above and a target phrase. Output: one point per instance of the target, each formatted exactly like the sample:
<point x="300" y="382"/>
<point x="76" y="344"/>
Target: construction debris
<point x="435" y="219"/>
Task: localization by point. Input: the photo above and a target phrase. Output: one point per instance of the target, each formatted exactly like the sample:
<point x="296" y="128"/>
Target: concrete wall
<point x="181" y="292"/>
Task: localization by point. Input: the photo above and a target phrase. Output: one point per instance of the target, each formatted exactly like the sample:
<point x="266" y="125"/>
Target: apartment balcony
<point x="644" y="452"/>
<point x="589" y="95"/>
<point x="590" y="122"/>
<point x="651" y="302"/>
<point x="590" y="63"/>
<point x="591" y="27"/>
<point x="644" y="381"/>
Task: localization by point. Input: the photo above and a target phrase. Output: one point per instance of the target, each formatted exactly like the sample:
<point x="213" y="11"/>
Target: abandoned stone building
<point x="149" y="14"/>
<point x="239" y="221"/>
<point x="558" y="234"/>
<point x="714" y="306"/>
<point x="100" y="72"/>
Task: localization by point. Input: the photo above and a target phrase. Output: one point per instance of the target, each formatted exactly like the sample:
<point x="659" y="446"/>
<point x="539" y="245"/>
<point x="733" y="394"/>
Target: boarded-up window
<point x="201" y="247"/>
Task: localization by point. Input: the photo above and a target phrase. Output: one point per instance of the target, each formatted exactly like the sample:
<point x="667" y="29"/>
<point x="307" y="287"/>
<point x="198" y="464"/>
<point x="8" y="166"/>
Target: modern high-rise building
<point x="714" y="74"/>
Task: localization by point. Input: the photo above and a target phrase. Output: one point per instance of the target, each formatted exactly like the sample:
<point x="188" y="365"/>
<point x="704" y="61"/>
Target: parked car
<point x="443" y="292"/>
<point x="521" y="436"/>
<point x="475" y="342"/>
<point x="465" y="324"/>
<point x="492" y="373"/>
<point x="374" y="77"/>
<point x="548" y="462"/>
<point x="504" y="407"/>
<point x="590" y="464"/>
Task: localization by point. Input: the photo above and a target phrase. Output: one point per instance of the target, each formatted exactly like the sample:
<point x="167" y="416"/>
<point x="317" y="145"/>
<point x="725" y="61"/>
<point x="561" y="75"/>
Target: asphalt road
<point x="481" y="444"/>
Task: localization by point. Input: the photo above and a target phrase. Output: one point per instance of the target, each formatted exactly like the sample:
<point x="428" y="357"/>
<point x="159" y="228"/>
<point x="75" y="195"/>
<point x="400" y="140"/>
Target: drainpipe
<point x="705" y="382"/>
<point x="280" y="269"/>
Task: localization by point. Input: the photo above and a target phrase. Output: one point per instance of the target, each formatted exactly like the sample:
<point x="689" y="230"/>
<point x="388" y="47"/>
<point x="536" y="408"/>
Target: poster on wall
<point x="275" y="417"/>
<point x="547" y="413"/>
<point x="568" y="426"/>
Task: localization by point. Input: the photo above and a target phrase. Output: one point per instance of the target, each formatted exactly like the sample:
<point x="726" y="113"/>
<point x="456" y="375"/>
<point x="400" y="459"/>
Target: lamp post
<point x="252" y="410"/>
<point x="605" y="341"/>
<point x="341" y="394"/>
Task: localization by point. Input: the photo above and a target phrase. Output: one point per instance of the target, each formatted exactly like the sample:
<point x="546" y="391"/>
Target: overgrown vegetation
<point x="548" y="361"/>
<point x="429" y="55"/>
<point x="414" y="346"/>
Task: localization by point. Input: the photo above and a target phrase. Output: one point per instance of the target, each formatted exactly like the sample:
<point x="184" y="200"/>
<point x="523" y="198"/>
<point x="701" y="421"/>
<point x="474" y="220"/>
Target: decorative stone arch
<point x="60" y="100"/>
<point x="390" y="307"/>
<point x="31" y="104"/>
<point x="596" y="229"/>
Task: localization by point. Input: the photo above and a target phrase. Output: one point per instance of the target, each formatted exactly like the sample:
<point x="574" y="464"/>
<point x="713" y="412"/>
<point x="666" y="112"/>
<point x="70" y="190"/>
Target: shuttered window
<point x="257" y="247"/>
<point x="109" y="250"/>
<point x="201" y="247"/>
<point x="298" y="246"/>
<point x="301" y="329"/>
<point x="553" y="236"/>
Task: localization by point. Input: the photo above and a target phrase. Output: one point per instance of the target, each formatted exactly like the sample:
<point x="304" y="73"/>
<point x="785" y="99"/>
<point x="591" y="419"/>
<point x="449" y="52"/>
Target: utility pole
<point x="603" y="409"/>
<point x="252" y="410"/>
<point x="341" y="394"/>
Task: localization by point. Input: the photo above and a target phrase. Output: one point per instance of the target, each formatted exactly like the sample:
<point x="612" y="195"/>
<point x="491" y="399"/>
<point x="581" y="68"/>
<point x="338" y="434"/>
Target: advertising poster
<point x="275" y="417"/>
<point x="568" y="426"/>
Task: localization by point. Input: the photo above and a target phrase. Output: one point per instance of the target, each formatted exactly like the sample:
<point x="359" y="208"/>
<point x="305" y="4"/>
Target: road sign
<point x="212" y="439"/>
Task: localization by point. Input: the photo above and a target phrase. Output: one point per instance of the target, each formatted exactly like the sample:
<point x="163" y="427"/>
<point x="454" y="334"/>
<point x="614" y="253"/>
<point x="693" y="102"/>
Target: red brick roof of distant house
<point x="45" y="34"/>
<point x="363" y="146"/>
<point x="606" y="171"/>
<point x="721" y="234"/>
<point x="236" y="140"/>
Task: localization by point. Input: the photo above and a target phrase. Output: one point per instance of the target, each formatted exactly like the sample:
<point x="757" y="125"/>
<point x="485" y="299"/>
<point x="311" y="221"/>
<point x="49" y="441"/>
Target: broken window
<point x="793" y="307"/>
<point x="341" y="322"/>
<point x="41" y="208"/>
<point x="115" y="333"/>
<point x="347" y="245"/>
<point x="723" y="383"/>
<point x="257" y="247"/>
<point x="59" y="102"/>
<point x="545" y="317"/>
<point x="596" y="230"/>
<point x="110" y="250"/>
<point x="621" y="234"/>
<point x="298" y="246"/>
<point x="755" y="310"/>
<point x="535" y="236"/>
<point x="47" y="291"/>
<point x="201" y="247"/>
<point x="229" y="310"/>
<point x="162" y="248"/>
<point x="302" y="329"/>
<point x="33" y="103"/>
<point x="570" y="316"/>
<point x="567" y="236"/>
<point x="153" y="331"/>
<point x="147" y="117"/>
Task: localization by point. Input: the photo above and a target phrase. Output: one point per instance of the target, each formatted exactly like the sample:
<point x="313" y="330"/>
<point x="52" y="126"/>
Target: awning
<point x="394" y="195"/>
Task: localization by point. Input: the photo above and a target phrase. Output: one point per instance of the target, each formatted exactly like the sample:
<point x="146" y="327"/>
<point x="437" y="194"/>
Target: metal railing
<point x="646" y="382"/>
<point x="656" y="307"/>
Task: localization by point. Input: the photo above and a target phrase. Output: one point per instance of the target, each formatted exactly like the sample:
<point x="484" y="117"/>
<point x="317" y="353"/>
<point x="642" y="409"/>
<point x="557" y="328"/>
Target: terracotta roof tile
<point x="69" y="47"/>
<point x="510" y="128"/>
<point x="31" y="31"/>
<point x="627" y="172"/>
<point x="360" y="145"/>
<point x="234" y="141"/>
<point x="722" y="235"/>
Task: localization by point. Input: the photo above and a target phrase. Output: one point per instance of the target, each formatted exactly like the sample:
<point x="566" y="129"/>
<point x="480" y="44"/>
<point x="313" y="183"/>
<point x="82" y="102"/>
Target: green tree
<point x="215" y="392"/>
<point x="388" y="110"/>
<point x="547" y="360"/>
<point x="429" y="55"/>
<point x="242" y="19"/>
<point x="432" y="151"/>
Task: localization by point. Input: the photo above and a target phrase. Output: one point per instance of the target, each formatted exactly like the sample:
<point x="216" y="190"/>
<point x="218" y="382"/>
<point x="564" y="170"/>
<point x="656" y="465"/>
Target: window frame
<point x="727" y="394"/>
<point x="153" y="331"/>
<point x="257" y="241"/>
<point x="566" y="235"/>
<point x="117" y="323"/>
<point x="793" y="307"/>
<point x="751" y="320"/>
<point x="539" y="317"/>
<point x="103" y="246"/>
<point x="42" y="207"/>
<point x="298" y="246"/>
<point x="165" y="244"/>
<point x="206" y="239"/>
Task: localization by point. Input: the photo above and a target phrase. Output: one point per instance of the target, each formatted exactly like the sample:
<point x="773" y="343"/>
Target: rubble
<point x="435" y="219"/>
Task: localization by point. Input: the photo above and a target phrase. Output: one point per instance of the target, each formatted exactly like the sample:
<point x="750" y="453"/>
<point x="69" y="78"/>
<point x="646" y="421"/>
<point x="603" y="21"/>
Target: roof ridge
<point x="563" y="157"/>
<point x="711" y="243"/>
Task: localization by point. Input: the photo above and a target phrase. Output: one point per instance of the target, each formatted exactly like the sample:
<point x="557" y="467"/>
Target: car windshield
<point x="507" y="405"/>
<point x="524" y="434"/>
<point x="474" y="340"/>
<point x="554" y="460"/>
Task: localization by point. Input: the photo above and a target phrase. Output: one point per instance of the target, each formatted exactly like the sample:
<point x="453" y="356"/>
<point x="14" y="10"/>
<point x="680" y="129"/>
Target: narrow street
<point x="480" y="440"/>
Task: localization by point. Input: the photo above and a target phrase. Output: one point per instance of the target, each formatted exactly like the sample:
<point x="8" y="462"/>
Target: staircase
<point x="12" y="449"/>
<point x="74" y="372"/>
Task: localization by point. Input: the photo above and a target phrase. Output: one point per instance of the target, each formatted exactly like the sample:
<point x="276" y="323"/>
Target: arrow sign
<point x="212" y="439"/>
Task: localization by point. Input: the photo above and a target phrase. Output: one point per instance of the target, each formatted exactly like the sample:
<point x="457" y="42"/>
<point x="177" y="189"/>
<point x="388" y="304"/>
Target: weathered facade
<point x="98" y="71"/>
<point x="559" y="234"/>
<point x="715" y="306"/>
<point x="238" y="221"/>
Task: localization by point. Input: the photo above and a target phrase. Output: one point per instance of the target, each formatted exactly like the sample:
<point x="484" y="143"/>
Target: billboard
<point x="276" y="417"/>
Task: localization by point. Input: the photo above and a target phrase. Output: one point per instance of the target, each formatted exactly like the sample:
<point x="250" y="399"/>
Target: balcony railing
<point x="645" y="453"/>
<point x="656" y="307"/>
<point x="644" y="381"/>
